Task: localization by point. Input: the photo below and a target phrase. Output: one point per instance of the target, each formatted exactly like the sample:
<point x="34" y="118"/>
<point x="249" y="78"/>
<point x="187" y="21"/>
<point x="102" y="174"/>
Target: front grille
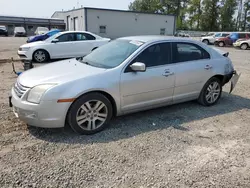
<point x="20" y="89"/>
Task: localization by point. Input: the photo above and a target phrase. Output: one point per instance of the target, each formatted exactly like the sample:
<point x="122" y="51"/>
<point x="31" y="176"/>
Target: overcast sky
<point x="45" y="8"/>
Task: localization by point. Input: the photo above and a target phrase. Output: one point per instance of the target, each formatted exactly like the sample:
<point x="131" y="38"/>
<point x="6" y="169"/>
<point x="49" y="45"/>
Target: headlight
<point x="24" y="49"/>
<point x="36" y="93"/>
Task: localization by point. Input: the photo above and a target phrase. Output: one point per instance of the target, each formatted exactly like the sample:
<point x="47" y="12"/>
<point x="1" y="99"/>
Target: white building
<point x="117" y="23"/>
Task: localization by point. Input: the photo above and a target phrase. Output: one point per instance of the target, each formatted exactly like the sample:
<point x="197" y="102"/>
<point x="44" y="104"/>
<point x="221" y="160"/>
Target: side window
<point x="80" y="37"/>
<point x="155" y="55"/>
<point x="242" y="35"/>
<point x="66" y="37"/>
<point x="89" y="36"/>
<point x="183" y="52"/>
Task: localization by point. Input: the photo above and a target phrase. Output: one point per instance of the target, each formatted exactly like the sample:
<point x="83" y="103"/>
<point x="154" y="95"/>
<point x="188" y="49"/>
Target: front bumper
<point x="236" y="44"/>
<point x="24" y="55"/>
<point x="47" y="114"/>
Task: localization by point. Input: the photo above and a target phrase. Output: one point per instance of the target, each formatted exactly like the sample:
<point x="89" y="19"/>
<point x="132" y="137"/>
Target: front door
<point x="155" y="86"/>
<point x="193" y="69"/>
<point x="65" y="47"/>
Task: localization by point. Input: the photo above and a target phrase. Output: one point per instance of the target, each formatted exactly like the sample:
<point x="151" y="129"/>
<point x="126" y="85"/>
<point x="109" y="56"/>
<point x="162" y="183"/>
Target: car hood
<point x="57" y="73"/>
<point x="29" y="45"/>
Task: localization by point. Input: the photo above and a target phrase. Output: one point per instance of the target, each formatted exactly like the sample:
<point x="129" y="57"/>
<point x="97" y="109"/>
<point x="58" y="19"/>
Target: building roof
<point x="115" y="10"/>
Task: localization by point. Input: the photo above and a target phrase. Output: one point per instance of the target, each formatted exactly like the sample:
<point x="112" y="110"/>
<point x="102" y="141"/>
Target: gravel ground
<point x="184" y="145"/>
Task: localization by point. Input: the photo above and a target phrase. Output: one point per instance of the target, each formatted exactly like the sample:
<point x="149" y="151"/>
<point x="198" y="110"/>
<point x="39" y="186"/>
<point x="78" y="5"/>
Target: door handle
<point x="168" y="73"/>
<point x="208" y="67"/>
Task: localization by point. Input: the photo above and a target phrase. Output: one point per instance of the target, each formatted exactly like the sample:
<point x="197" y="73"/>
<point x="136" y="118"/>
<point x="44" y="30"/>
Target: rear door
<point x="84" y="44"/>
<point x="64" y="48"/>
<point x="193" y="69"/>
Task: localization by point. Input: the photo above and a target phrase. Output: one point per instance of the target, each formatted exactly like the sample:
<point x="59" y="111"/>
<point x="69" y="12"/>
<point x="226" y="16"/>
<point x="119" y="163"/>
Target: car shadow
<point x="152" y="120"/>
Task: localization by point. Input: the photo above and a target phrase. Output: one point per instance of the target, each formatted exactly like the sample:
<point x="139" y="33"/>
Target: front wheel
<point x="211" y="92"/>
<point x="90" y="114"/>
<point x="40" y="56"/>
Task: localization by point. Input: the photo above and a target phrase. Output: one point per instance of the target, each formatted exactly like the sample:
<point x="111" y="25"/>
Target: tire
<point x="216" y="92"/>
<point x="221" y="44"/>
<point x="244" y="46"/>
<point x="40" y="56"/>
<point x="206" y="41"/>
<point x="83" y="109"/>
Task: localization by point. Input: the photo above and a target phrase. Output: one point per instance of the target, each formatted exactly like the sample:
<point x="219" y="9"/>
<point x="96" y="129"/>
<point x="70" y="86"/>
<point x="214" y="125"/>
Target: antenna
<point x="77" y="4"/>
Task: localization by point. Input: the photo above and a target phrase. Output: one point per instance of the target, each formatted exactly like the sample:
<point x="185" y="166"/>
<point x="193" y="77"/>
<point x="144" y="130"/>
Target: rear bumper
<point x="228" y="77"/>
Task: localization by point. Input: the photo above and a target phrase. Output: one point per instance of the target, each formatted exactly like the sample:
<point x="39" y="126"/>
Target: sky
<point x="45" y="8"/>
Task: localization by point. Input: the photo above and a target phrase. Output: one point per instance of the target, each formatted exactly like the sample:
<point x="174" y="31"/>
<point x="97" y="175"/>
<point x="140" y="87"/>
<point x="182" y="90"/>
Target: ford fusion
<point x="124" y="76"/>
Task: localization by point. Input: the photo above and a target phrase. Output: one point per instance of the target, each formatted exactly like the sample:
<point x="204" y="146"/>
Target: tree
<point x="227" y="11"/>
<point x="246" y="19"/>
<point x="210" y="15"/>
<point x="150" y="6"/>
<point x="194" y="11"/>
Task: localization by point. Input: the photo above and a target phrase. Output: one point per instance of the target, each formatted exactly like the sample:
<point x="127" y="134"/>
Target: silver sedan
<point x="124" y="76"/>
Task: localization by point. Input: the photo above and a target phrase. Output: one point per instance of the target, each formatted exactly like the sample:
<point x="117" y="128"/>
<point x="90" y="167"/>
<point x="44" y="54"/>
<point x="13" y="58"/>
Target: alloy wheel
<point x="40" y="56"/>
<point x="213" y="92"/>
<point x="92" y="115"/>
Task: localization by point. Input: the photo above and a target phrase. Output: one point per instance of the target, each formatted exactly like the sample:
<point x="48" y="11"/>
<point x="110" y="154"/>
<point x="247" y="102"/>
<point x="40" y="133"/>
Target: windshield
<point x="53" y="36"/>
<point x="19" y="29"/>
<point x="112" y="54"/>
<point x="210" y="34"/>
<point x="217" y="35"/>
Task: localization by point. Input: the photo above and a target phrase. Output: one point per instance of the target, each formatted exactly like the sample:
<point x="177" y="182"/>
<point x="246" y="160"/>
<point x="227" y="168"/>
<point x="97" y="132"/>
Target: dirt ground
<point x="9" y="46"/>
<point x="184" y="145"/>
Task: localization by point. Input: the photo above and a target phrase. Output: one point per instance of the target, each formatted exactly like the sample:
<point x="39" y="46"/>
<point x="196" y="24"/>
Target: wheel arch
<point x="106" y="94"/>
<point x="245" y="43"/>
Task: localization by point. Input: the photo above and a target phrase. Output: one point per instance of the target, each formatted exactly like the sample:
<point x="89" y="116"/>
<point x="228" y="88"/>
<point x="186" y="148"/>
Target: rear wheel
<point x="211" y="92"/>
<point x="40" y="56"/>
<point x="90" y="113"/>
<point x="205" y="41"/>
<point x="244" y="46"/>
<point x="221" y="44"/>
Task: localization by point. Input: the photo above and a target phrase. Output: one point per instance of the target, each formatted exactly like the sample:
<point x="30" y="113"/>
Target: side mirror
<point x="55" y="40"/>
<point x="138" y="67"/>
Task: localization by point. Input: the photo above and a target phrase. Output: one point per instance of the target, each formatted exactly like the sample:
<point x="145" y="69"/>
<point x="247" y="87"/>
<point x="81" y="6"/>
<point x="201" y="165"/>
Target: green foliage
<point x="226" y="13"/>
<point x="206" y="15"/>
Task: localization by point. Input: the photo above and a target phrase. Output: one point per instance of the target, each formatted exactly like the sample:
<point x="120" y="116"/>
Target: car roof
<point x="155" y="38"/>
<point x="65" y="32"/>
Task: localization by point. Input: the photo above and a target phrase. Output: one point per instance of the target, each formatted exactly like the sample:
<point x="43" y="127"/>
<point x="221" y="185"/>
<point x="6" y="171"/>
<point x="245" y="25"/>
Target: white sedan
<point x="62" y="45"/>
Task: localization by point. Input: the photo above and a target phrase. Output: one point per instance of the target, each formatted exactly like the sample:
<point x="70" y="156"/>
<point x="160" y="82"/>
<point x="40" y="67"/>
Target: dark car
<point x="43" y="36"/>
<point x="3" y="31"/>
